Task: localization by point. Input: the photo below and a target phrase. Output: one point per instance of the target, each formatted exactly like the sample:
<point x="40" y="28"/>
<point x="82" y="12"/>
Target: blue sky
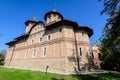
<point x="14" y="13"/>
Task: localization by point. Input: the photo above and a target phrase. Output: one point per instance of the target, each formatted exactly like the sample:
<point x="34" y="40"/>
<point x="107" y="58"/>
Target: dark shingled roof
<point x="16" y="39"/>
<point x="53" y="25"/>
<point x="71" y="23"/>
<point x="62" y="22"/>
<point x="22" y="36"/>
<point x="11" y="42"/>
<point x="25" y="35"/>
<point x="31" y="21"/>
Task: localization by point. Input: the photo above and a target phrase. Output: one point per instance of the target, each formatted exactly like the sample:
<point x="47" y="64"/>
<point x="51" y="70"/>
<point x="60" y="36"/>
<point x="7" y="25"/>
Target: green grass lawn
<point x="18" y="74"/>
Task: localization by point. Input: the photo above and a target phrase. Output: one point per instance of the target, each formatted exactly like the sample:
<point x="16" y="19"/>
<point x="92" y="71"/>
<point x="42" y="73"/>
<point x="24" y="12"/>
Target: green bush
<point x="1" y="62"/>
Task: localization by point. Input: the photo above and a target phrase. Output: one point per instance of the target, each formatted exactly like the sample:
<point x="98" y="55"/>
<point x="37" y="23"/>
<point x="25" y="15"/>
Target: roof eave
<point x="87" y="29"/>
<point x="11" y="42"/>
<point x="62" y="22"/>
<point x="30" y="21"/>
<point x="52" y="12"/>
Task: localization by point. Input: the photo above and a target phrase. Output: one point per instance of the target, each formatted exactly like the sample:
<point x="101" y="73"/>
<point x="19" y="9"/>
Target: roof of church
<point x="25" y="35"/>
<point x="61" y="22"/>
<point x="53" y="25"/>
<point x="31" y="21"/>
<point x="87" y="29"/>
<point x="72" y="24"/>
<point x="11" y="42"/>
<point x="34" y="20"/>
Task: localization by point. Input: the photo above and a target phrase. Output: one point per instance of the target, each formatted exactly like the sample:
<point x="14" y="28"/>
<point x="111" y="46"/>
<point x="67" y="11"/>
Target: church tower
<point x="52" y="17"/>
<point x="30" y="23"/>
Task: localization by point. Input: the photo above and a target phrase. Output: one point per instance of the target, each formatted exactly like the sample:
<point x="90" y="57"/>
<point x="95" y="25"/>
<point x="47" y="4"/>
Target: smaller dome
<point x="33" y="20"/>
<point x="53" y="12"/>
<point x="52" y="17"/>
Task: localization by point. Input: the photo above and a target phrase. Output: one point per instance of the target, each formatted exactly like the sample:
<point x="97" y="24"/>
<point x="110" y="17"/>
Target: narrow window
<point x="45" y="50"/>
<point x="83" y="33"/>
<point x="49" y="37"/>
<point x="92" y="55"/>
<point x="80" y="50"/>
<point x="32" y="41"/>
<point x="54" y="15"/>
<point x="40" y="39"/>
<point x="59" y="17"/>
<point x="39" y="27"/>
<point x="34" y="52"/>
<point x="26" y="53"/>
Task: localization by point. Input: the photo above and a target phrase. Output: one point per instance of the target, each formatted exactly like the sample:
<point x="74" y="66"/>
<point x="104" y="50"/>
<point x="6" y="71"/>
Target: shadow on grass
<point x="57" y="79"/>
<point x="105" y="76"/>
<point x="85" y="77"/>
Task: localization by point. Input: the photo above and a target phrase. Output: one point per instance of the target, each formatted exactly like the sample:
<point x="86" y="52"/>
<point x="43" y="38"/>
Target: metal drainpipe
<point x="12" y="54"/>
<point x="77" y="56"/>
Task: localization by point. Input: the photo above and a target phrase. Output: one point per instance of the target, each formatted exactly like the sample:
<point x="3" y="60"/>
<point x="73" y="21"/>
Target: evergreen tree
<point x="2" y="57"/>
<point x="110" y="41"/>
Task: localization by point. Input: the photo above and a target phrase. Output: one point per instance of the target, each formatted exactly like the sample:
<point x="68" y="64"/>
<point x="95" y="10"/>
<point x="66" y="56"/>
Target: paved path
<point x="115" y="73"/>
<point x="91" y="72"/>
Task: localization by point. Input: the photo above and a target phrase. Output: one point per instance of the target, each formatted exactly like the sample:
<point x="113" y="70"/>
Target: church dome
<point x="52" y="17"/>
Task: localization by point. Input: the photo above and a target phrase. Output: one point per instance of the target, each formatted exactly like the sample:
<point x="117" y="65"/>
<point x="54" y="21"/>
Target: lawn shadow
<point x="102" y="76"/>
<point x="57" y="79"/>
<point x="85" y="77"/>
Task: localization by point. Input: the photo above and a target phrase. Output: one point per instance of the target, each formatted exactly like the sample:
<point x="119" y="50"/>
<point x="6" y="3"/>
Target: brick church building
<point x="58" y="45"/>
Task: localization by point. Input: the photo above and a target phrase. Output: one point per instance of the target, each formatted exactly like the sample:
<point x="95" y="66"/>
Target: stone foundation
<point x="51" y="65"/>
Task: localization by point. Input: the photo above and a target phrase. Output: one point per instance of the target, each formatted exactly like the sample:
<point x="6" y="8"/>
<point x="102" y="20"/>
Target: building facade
<point x="96" y="55"/>
<point x="58" y="45"/>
